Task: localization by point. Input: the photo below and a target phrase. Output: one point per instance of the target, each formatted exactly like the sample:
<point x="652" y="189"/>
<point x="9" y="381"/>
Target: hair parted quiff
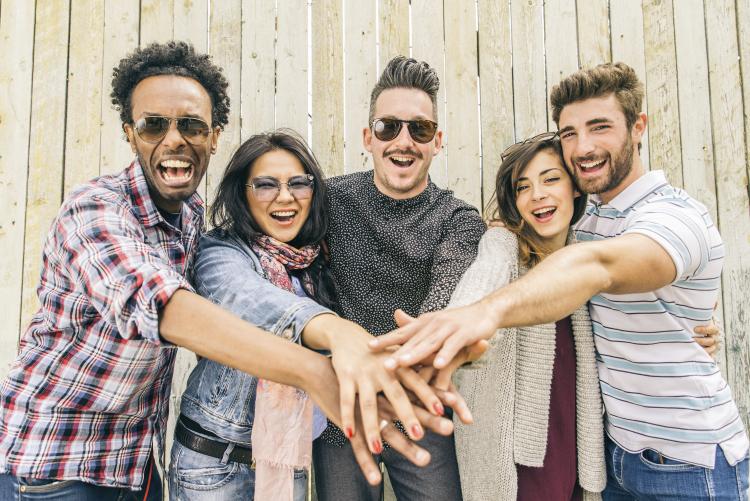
<point x="170" y="58"/>
<point x="599" y="81"/>
<point x="407" y="73"/>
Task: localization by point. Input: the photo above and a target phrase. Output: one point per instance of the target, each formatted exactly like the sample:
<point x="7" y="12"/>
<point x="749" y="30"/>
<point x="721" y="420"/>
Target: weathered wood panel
<point x="46" y="142"/>
<point x="82" y="128"/>
<point x="292" y="66"/>
<point x="157" y="21"/>
<point x="560" y="41"/>
<point x="17" y="46"/>
<point x="593" y="31"/>
<point x="529" y="83"/>
<point x="661" y="89"/>
<point x="627" y="46"/>
<point x="428" y="44"/>
<point x="496" y="89"/>
<point x="695" y="108"/>
<point x="393" y="30"/>
<point x="120" y="37"/>
<point x="258" y="68"/>
<point x="327" y="87"/>
<point x="360" y="75"/>
<point x="462" y="121"/>
<point x="732" y="191"/>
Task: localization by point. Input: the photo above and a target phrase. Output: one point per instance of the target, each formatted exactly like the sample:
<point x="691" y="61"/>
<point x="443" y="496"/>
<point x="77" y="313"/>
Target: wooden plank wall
<point x="310" y="65"/>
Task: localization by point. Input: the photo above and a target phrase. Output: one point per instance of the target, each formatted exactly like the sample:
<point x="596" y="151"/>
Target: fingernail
<point x="377" y="446"/>
<point x="373" y="343"/>
<point x="389" y="363"/>
<point x="349" y="432"/>
<point x="439" y="362"/>
<point x="439" y="410"/>
<point x="406" y="357"/>
<point x="373" y="477"/>
<point x="422" y="456"/>
<point x="416" y="431"/>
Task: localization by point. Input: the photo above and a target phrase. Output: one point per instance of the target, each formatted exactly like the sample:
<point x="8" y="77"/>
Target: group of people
<point x="360" y="320"/>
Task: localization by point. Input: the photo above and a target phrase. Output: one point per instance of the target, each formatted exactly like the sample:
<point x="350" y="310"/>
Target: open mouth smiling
<point x="284" y="216"/>
<point x="543" y="214"/>
<point x="591" y="165"/>
<point x="176" y="172"/>
<point x="401" y="161"/>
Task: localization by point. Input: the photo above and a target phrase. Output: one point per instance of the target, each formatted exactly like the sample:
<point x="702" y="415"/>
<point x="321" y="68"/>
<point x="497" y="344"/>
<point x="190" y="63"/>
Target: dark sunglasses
<point x="267" y="188"/>
<point x="386" y="129"/>
<point x="152" y="129"/>
<point x="544" y="136"/>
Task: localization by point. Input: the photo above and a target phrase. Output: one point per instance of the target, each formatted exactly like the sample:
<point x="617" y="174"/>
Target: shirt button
<point x="23" y="488"/>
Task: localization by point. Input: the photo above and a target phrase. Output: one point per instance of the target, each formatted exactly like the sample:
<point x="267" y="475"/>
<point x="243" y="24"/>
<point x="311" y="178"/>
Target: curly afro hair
<point x="171" y="58"/>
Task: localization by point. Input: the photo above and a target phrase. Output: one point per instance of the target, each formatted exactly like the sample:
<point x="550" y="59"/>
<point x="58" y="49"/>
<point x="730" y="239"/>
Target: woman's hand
<point x="362" y="375"/>
<point x="324" y="390"/>
<point x="709" y="336"/>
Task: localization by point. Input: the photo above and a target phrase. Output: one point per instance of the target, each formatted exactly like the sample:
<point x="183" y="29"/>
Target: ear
<point x="639" y="128"/>
<point x="367" y="139"/>
<point x="130" y="134"/>
<point x="215" y="139"/>
<point x="438" y="142"/>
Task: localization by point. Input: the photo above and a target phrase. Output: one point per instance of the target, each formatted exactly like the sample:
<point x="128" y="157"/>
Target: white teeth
<point x="589" y="165"/>
<point x="175" y="164"/>
<point x="401" y="159"/>
<point x="543" y="212"/>
<point x="287" y="213"/>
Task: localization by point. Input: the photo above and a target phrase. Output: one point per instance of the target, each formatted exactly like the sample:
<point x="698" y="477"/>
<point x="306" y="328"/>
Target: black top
<point x="388" y="254"/>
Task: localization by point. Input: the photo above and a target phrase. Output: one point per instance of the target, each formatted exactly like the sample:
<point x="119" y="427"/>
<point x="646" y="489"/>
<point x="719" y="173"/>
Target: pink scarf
<point x="282" y="426"/>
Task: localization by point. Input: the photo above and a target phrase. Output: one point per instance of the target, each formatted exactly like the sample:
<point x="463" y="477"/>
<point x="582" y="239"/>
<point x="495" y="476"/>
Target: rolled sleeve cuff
<point x="295" y="319"/>
<point x="144" y="321"/>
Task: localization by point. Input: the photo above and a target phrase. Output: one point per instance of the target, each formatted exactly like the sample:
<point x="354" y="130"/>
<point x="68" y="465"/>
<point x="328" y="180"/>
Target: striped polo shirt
<point x="661" y="390"/>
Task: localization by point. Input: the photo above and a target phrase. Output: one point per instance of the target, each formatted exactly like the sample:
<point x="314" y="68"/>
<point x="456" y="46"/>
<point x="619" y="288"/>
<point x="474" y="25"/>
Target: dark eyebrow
<point x="545" y="171"/>
<point x="601" y="120"/>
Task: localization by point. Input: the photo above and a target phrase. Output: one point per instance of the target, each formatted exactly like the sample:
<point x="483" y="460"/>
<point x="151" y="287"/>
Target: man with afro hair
<point x="87" y="397"/>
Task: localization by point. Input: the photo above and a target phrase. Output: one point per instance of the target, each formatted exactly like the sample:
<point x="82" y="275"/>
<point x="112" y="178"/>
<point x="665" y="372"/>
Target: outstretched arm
<point x="553" y="289"/>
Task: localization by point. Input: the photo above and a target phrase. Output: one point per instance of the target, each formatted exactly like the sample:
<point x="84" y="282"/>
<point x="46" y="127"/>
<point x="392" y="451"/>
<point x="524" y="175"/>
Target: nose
<point x="173" y="139"/>
<point x="583" y="145"/>
<point x="284" y="194"/>
<point x="538" y="191"/>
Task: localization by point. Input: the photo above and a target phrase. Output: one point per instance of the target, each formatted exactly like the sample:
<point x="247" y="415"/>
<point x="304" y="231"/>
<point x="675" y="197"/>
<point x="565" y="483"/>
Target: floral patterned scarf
<point x="282" y="428"/>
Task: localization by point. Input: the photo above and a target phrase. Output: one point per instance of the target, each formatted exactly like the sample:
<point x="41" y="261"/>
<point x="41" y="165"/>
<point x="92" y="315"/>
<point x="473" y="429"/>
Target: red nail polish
<point x="377" y="447"/>
<point x="349" y="432"/>
<point x="416" y="431"/>
<point x="439" y="410"/>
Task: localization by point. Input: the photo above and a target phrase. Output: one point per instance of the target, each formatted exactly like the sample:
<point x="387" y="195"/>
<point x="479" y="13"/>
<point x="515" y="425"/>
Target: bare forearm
<point x="195" y="323"/>
<point x="551" y="290"/>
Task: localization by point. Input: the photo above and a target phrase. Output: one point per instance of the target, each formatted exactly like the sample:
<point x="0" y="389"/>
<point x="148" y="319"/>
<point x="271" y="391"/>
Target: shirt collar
<point x="144" y="205"/>
<point x="647" y="183"/>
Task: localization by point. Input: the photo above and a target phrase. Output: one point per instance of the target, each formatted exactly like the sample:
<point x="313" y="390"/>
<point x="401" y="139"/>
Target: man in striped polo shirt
<point x="650" y="263"/>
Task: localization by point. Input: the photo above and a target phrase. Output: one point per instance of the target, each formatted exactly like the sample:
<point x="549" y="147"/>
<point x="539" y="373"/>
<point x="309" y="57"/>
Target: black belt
<point x="213" y="448"/>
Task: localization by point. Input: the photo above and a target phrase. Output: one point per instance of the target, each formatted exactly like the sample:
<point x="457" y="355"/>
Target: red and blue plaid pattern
<point x="89" y="389"/>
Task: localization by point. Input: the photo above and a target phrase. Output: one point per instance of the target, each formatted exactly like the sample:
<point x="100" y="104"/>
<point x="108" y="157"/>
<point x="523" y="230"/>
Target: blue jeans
<point x="22" y="489"/>
<point x="649" y="476"/>
<point x="197" y="477"/>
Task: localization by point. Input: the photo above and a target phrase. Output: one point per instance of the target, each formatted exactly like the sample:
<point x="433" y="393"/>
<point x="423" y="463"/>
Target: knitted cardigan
<point x="508" y="389"/>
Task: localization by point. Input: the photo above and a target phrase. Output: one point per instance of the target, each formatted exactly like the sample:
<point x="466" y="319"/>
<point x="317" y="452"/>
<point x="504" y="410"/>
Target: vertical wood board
<point x="157" y="21"/>
<point x="256" y="105"/>
<point x="393" y="25"/>
<point x="46" y="142"/>
<point x="292" y="66"/>
<point x="462" y="117"/>
<point x="496" y="89"/>
<point x="593" y="31"/>
<point x="561" y="56"/>
<point x="327" y="85"/>
<point x="529" y="79"/>
<point x="83" y="129"/>
<point x="661" y="89"/>
<point x="17" y="44"/>
<point x="732" y="192"/>
<point x="360" y="76"/>
<point x="428" y="44"/>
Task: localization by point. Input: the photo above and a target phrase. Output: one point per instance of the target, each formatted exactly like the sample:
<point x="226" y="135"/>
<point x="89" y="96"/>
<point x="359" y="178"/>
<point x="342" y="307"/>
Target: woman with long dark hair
<point x="238" y="437"/>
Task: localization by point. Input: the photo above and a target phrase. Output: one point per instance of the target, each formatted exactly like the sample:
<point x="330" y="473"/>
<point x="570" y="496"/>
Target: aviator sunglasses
<point x="267" y="188"/>
<point x="387" y="129"/>
<point x="152" y="129"/>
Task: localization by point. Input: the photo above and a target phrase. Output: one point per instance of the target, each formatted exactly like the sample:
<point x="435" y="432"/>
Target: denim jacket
<point x="227" y="272"/>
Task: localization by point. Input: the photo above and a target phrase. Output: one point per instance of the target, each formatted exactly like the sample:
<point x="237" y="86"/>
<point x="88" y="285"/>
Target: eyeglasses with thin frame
<point x="153" y="128"/>
<point x="544" y="136"/>
<point x="267" y="188"/>
<point x="387" y="129"/>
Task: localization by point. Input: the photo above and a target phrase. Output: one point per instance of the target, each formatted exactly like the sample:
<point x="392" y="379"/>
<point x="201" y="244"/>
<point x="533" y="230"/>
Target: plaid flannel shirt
<point x="89" y="389"/>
